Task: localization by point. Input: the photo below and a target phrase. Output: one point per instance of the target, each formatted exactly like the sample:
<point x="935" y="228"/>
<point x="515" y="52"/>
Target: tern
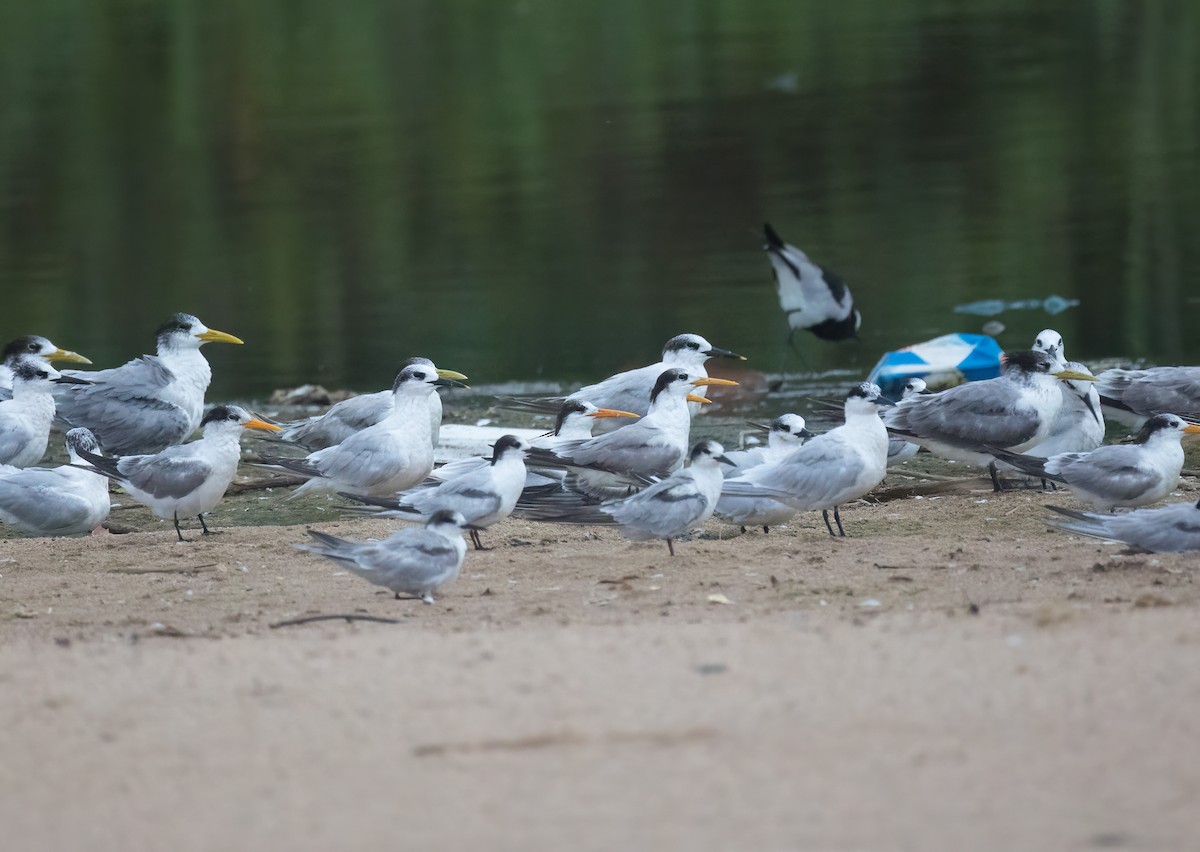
<point x="152" y="402"/>
<point x="813" y="298"/>
<point x="56" y="501"/>
<point x="413" y="561"/>
<point x="358" y="412"/>
<point x="1079" y="426"/>
<point x="381" y="460"/>
<point x="1131" y="397"/>
<point x="1013" y="411"/>
<point x="898" y="449"/>
<point x="189" y="479"/>
<point x="787" y="432"/>
<point x="30" y="345"/>
<point x="1167" y="529"/>
<point x="630" y="390"/>
<point x="1115" y="475"/>
<point x="26" y="418"/>
<point x="667" y="509"/>
<point x="829" y="470"/>
<point x="482" y="495"/>
<point x="655" y="445"/>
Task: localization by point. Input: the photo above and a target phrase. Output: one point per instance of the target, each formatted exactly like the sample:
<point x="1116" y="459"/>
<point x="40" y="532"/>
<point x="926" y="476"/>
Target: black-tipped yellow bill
<point x="68" y="355"/>
<point x="214" y="336"/>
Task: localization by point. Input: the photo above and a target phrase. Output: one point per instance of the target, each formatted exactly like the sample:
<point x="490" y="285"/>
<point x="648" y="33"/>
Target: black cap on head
<point x="571" y="406"/>
<point x="27" y="345"/>
<point x="506" y="444"/>
<point x="667" y="378"/>
<point x="178" y="323"/>
<point x="864" y="390"/>
<point x="222" y="412"/>
<point x="682" y="342"/>
<point x="1157" y="423"/>
<point x="1027" y="361"/>
<point x="413" y="373"/>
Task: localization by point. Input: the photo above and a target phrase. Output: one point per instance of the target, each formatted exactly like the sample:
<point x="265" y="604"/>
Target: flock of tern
<point x="621" y="452"/>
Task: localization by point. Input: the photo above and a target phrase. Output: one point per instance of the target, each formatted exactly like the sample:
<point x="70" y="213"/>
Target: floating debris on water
<point x="991" y="307"/>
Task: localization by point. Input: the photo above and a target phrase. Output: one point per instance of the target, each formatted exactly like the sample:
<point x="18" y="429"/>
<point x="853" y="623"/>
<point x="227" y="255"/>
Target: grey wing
<point x="414" y="554"/>
<point x="664" y="508"/>
<point x="969" y="415"/>
<point x="121" y="407"/>
<point x="1115" y="472"/>
<point x="341" y="421"/>
<point x="41" y="499"/>
<point x="813" y="476"/>
<point x="474" y="496"/>
<point x="1166" y="390"/>
<point x="1169" y="529"/>
<point x="630" y="449"/>
<point x="364" y="463"/>
<point x="628" y="391"/>
<point x="168" y="474"/>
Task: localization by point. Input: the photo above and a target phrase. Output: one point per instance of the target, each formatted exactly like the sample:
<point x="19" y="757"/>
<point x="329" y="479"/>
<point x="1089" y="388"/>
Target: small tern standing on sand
<point x="413" y="561"/>
<point x="1115" y="475"/>
<point x="393" y="455"/>
<point x="358" y="412"/>
<point x="655" y="445"/>
<point x="26" y="418"/>
<point x="186" y="480"/>
<point x="151" y="402"/>
<point x="829" y="470"/>
<point x="64" y="500"/>
<point x="813" y="298"/>
<point x="1013" y="411"/>
<point x="482" y="495"/>
<point x="30" y="345"/>
<point x="1167" y="529"/>
<point x="1131" y="397"/>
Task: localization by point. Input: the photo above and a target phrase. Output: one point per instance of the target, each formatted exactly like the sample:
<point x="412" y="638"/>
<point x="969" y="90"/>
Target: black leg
<point x="837" y="516"/>
<point x="828" y="526"/>
<point x="204" y="526"/>
<point x="996" y="486"/>
<point x="670" y="547"/>
<point x="477" y="541"/>
<point x="743" y="530"/>
<point x="178" y="531"/>
<point x="766" y="529"/>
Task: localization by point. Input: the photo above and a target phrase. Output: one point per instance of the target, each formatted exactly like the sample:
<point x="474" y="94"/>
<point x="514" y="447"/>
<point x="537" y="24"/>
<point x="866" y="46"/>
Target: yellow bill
<point x="1074" y="376"/>
<point x="600" y="413"/>
<point x="450" y="374"/>
<point x="1192" y="429"/>
<point x="692" y="397"/>
<point x="707" y="381"/>
<point x="68" y="355"/>
<point x="255" y="423"/>
<point x="214" y="336"/>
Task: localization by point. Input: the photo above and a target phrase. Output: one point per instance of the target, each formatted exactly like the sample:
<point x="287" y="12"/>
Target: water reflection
<point x="538" y="189"/>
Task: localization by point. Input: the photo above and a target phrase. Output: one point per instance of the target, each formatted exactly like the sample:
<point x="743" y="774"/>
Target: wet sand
<point x="953" y="675"/>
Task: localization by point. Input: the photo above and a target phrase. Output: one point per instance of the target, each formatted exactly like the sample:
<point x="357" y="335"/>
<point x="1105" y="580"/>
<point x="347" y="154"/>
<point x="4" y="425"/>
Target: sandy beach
<point x="952" y="675"/>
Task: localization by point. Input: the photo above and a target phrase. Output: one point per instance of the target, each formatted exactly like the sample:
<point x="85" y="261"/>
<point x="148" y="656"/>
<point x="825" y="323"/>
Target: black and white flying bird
<point x="813" y="298"/>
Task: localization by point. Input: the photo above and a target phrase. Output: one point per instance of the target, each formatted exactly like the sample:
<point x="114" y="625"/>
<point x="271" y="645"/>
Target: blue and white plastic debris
<point x="943" y="362"/>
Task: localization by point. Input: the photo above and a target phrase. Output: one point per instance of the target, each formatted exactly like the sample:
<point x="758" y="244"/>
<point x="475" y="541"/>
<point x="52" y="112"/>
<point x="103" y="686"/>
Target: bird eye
<point x="693" y="345"/>
<point x="33" y="347"/>
<point x="42" y="374"/>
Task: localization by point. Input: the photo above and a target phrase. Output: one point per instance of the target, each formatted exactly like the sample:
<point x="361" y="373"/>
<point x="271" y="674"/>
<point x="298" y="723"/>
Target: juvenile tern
<point x="813" y="298"/>
<point x="189" y="479"/>
<point x="787" y="432"/>
<point x="413" y="561"/>
<point x="1079" y="426"/>
<point x="1013" y="411"/>
<point x="1130" y="397"/>
<point x="63" y="500"/>
<point x="829" y="470"/>
<point x="381" y="460"/>
<point x="358" y="412"/>
<point x="482" y="495"/>
<point x="1115" y="475"/>
<point x="151" y="402"/>
<point x="1167" y="529"/>
<point x="666" y="509"/>
<point x="898" y="449"/>
<point x="655" y="445"/>
<point x="25" y="419"/>
<point x="30" y="345"/>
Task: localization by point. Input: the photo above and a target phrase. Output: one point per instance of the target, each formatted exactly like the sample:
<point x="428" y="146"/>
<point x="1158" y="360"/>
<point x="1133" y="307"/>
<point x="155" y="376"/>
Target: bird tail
<point x="331" y="547"/>
<point x="1083" y="523"/>
<point x="547" y="405"/>
<point x="300" y="466"/>
<point x="101" y="464"/>
<point x="1031" y="465"/>
<point x="774" y="242"/>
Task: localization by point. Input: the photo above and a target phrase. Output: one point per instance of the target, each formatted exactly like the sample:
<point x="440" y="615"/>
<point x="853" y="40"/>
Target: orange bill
<point x="255" y="423"/>
<point x="691" y="397"/>
<point x="601" y="413"/>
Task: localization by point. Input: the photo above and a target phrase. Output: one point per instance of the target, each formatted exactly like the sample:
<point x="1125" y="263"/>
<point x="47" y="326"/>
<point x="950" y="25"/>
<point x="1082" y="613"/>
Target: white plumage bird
<point x="25" y="419"/>
<point x="813" y="298"/>
<point x="30" y="345"/>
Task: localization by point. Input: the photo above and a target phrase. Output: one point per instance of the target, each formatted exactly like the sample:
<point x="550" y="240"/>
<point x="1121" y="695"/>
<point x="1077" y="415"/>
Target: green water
<point x="548" y="189"/>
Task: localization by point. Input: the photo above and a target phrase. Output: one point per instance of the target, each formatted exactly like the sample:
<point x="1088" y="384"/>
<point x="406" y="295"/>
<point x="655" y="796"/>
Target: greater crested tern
<point x="151" y="402"/>
<point x="359" y="412"/>
<point x="813" y="298"/>
<point x="1013" y="411"/>
<point x="827" y="471"/>
<point x="25" y="419"/>
<point x="1167" y="529"/>
<point x="64" y="500"/>
<point x="654" y="446"/>
<point x="381" y="460"/>
<point x="1115" y="475"/>
<point x="1079" y="426"/>
<point x="189" y="479"/>
<point x="415" y="561"/>
<point x="31" y="345"/>
<point x="483" y="495"/>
